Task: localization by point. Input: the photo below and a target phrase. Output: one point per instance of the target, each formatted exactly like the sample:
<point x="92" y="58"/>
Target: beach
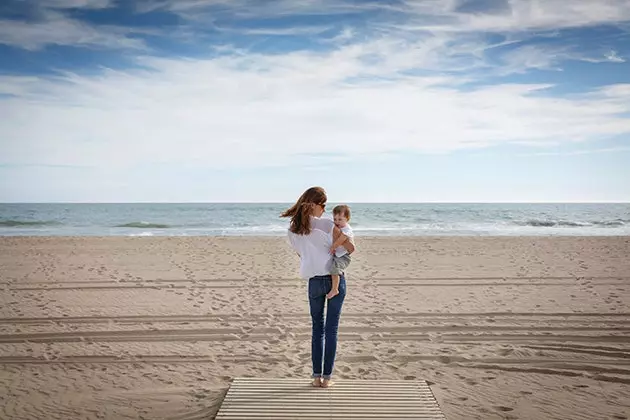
<point x="155" y="327"/>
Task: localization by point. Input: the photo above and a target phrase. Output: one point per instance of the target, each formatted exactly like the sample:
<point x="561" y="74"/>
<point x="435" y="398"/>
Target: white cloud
<point x="521" y="59"/>
<point x="410" y="24"/>
<point x="529" y="56"/>
<point x="258" y="110"/>
<point x="284" y="31"/>
<point x="614" y="57"/>
<point x="394" y="87"/>
<point x="54" y="27"/>
<point x="433" y="15"/>
<point x="580" y="152"/>
<point x="393" y="91"/>
<point x="521" y="15"/>
<point x="344" y="36"/>
<point x="60" y="30"/>
<point x="76" y="4"/>
<point x="258" y="9"/>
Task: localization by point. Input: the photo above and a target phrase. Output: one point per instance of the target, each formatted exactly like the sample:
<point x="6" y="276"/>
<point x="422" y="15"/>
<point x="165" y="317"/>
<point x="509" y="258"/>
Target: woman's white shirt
<point x="314" y="248"/>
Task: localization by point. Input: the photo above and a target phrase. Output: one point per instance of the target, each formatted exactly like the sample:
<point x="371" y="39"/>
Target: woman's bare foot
<point x="327" y="383"/>
<point x="332" y="294"/>
<point x="317" y="382"/>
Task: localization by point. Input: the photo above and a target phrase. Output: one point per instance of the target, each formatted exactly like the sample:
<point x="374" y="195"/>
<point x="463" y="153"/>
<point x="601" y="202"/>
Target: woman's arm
<point x="292" y="243"/>
<point x="347" y="244"/>
<point x="340" y="240"/>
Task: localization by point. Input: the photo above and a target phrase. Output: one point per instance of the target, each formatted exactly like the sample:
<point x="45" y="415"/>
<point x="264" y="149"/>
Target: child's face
<point x="340" y="220"/>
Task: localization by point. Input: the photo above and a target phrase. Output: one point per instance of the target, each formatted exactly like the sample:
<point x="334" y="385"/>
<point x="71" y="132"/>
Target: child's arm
<point x="341" y="239"/>
<point x="348" y="245"/>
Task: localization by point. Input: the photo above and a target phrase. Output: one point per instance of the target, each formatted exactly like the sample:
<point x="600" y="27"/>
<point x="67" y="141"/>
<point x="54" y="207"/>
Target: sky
<point x="256" y="100"/>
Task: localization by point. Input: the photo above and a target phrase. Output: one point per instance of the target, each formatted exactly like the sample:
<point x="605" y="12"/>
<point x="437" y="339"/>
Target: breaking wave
<point x="27" y="223"/>
<point x="571" y="223"/>
<point x="144" y="225"/>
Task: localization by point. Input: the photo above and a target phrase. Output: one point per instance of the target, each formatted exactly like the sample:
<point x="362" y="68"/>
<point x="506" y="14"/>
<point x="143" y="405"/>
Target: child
<point x="341" y="257"/>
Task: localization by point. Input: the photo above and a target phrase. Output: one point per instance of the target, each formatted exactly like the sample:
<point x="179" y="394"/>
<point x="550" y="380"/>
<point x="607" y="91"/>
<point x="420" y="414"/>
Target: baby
<point x="341" y="257"/>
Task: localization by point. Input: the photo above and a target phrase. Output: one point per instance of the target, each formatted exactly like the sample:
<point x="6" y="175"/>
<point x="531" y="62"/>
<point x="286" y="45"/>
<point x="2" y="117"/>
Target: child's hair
<point x="343" y="210"/>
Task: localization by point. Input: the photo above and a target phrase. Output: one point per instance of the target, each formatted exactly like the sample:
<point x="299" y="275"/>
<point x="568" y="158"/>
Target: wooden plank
<point x="245" y="379"/>
<point x="307" y="398"/>
<point x="323" y="414"/>
<point x="263" y="398"/>
<point x="340" y="386"/>
<point x="354" y="389"/>
<point x="344" y="403"/>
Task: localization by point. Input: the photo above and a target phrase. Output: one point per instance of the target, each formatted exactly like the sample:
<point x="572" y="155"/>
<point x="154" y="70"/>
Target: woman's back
<point x="312" y="237"/>
<point x="314" y="248"/>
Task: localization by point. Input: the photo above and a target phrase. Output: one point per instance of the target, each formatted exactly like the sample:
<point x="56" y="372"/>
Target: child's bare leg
<point x="334" y="291"/>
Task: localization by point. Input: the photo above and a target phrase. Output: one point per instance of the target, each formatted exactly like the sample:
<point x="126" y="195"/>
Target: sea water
<point x="391" y="219"/>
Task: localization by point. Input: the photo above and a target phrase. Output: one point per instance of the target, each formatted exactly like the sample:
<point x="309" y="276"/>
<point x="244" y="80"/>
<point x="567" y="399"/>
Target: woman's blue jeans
<point x="318" y="287"/>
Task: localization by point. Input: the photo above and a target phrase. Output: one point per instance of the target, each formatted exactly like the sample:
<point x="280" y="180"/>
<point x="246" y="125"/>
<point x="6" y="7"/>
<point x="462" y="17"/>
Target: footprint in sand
<point x="444" y="359"/>
<point x="503" y="408"/>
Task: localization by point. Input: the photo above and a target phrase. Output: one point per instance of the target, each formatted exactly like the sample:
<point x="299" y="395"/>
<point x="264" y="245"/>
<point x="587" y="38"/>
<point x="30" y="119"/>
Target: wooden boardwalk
<point x="266" y="398"/>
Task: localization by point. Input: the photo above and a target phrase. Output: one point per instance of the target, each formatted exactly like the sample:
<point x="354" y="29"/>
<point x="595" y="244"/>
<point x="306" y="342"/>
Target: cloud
<point x="580" y="152"/>
<point x="385" y="89"/>
<point x="519" y="15"/>
<point x="259" y="110"/>
<point x="247" y="9"/>
<point x="431" y="15"/>
<point x="284" y="31"/>
<point x="46" y="23"/>
<point x="614" y="57"/>
<point x="247" y="84"/>
<point x="77" y="4"/>
<point x="60" y="30"/>
<point x="526" y="57"/>
<point x="542" y="57"/>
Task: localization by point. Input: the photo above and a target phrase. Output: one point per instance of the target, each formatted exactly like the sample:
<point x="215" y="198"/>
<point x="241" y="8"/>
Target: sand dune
<point x="154" y="328"/>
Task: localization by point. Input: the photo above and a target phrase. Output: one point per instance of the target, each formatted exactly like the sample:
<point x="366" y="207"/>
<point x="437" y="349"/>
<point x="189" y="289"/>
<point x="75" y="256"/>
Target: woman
<point x="311" y="236"/>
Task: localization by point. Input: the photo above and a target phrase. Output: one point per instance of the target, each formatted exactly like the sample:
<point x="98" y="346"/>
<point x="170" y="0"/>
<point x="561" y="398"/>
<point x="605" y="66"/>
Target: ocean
<point x="263" y="219"/>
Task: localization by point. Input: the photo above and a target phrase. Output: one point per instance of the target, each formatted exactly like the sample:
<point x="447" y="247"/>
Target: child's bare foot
<point x="327" y="383"/>
<point x="332" y="294"/>
<point x="317" y="382"/>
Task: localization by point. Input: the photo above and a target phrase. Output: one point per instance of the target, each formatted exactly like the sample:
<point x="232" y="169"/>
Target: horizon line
<point x="332" y="201"/>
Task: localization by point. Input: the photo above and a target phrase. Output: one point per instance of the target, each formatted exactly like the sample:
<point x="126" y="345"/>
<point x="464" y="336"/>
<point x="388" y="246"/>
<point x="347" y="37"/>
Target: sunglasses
<point x="323" y="206"/>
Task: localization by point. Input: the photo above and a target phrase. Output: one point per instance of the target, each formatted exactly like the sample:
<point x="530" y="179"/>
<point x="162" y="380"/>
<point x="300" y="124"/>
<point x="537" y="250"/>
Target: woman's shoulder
<point x="323" y="223"/>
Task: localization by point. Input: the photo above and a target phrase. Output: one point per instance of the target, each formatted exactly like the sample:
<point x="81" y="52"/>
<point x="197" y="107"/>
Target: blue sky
<point x="255" y="100"/>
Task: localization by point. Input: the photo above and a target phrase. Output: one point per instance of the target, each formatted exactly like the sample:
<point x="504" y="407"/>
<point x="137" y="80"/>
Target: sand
<point x="154" y="328"/>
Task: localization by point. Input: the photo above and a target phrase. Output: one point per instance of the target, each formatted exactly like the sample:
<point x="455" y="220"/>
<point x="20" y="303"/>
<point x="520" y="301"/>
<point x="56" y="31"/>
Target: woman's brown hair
<point x="300" y="212"/>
